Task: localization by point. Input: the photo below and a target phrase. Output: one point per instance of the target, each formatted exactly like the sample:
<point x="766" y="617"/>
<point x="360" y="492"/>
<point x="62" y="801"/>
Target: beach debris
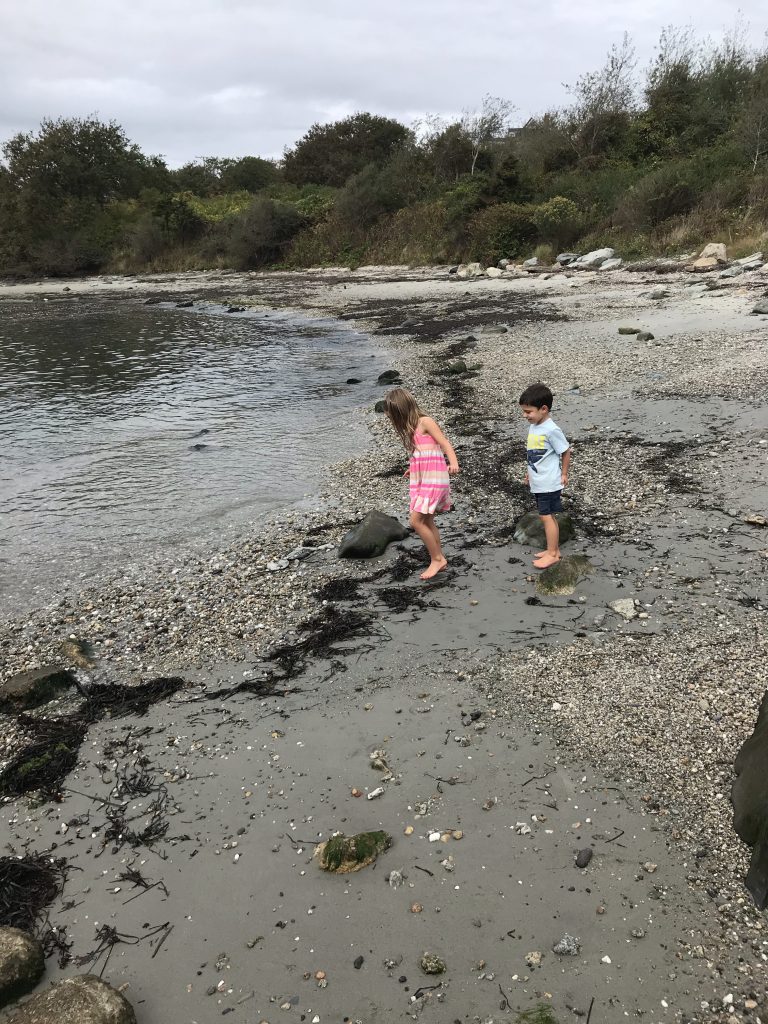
<point x="583" y="857"/>
<point x="78" y="652"/>
<point x="430" y="963"/>
<point x="344" y="854"/>
<point x="22" y="963"/>
<point x="371" y="536"/>
<point x="449" y="864"/>
<point x="534" y="958"/>
<point x="378" y="759"/>
<point x="375" y="793"/>
<point x="755" y="519"/>
<point x="568" y="945"/>
<point x="649" y="867"/>
<point x="395" y="879"/>
<point x="562" y="578"/>
<point x="408" y="830"/>
<point x="416" y="908"/>
<point x="625" y="607"/>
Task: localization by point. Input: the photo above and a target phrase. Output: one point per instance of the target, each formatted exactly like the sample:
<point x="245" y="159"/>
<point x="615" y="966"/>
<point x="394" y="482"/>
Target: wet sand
<point x="576" y="748"/>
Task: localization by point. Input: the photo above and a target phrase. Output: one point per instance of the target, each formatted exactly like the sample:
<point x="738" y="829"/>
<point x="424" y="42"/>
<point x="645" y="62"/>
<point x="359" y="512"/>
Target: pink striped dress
<point x="430" y="486"/>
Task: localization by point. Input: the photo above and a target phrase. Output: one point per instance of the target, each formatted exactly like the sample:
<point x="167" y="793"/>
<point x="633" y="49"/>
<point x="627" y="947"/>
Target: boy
<point x="549" y="456"/>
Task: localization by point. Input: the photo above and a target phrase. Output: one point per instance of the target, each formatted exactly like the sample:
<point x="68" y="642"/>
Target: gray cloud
<point x="230" y="77"/>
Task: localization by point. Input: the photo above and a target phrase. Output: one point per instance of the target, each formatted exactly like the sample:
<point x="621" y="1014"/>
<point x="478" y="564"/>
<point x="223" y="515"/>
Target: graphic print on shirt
<point x="537" y="449"/>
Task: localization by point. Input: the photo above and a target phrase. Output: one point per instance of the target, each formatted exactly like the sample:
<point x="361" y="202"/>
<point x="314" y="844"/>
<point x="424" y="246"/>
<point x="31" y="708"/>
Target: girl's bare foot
<point x="434" y="568"/>
<point x="545" y="561"/>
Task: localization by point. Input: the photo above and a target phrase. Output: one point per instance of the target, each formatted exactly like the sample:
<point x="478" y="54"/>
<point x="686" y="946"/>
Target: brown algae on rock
<point x="562" y="578"/>
<point x="343" y="854"/>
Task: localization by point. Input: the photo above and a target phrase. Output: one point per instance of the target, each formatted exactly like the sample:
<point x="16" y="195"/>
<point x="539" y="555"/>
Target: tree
<point x="603" y="101"/>
<point x="262" y="233"/>
<point x="482" y="127"/>
<point x="78" y="158"/>
<point x="330" y="154"/>
<point x="248" y="174"/>
<point x="752" y="126"/>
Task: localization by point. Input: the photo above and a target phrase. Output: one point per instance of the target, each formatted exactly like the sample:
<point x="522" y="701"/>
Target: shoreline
<point x="655" y="491"/>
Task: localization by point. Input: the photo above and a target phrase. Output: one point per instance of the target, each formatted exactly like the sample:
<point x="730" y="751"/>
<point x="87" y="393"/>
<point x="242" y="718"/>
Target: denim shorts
<point x="549" y="503"/>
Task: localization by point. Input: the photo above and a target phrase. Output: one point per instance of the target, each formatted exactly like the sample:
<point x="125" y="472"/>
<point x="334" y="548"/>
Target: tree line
<point x="651" y="161"/>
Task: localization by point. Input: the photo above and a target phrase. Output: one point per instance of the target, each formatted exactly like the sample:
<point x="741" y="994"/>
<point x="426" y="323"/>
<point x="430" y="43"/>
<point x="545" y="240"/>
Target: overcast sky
<point x="192" y="78"/>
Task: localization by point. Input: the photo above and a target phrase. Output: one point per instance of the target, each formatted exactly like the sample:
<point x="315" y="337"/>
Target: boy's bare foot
<point x="434" y="568"/>
<point x="545" y="560"/>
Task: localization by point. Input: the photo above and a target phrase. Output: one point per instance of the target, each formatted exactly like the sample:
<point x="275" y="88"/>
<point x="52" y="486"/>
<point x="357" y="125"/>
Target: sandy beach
<point x="517" y="728"/>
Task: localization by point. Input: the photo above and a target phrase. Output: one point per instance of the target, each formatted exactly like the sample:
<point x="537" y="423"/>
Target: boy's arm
<point x="565" y="464"/>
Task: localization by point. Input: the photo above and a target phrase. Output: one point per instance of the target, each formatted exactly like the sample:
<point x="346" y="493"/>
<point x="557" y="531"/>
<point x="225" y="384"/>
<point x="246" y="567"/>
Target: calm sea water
<point x="126" y="428"/>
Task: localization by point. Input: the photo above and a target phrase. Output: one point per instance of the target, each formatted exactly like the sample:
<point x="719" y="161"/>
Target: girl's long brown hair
<point x="404" y="415"/>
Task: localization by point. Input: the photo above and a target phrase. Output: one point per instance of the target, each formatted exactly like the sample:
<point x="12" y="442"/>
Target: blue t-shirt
<point x="546" y="443"/>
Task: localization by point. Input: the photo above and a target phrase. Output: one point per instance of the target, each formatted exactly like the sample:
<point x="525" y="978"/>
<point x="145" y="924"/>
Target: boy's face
<point x="534" y="415"/>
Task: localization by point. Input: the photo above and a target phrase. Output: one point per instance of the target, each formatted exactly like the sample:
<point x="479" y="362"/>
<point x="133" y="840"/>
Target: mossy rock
<point x="562" y="578"/>
<point x="529" y="528"/>
<point x="344" y="854"/>
<point x="35" y="687"/>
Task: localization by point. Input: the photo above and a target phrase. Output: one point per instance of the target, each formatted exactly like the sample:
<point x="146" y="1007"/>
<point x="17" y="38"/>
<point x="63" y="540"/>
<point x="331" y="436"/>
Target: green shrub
<point x="666" y="192"/>
<point x="501" y="231"/>
<point x="262" y="234"/>
<point x="559" y="221"/>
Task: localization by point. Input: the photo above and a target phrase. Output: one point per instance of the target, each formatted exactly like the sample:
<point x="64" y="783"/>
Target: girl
<point x="430" y="486"/>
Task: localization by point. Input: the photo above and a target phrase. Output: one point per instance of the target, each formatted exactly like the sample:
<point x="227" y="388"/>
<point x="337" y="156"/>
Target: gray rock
<point x="36" y="687"/>
<point x="503" y="264"/>
<point x="494" y="272"/>
<point x="625" y="607"/>
<point x="371" y="536"/>
<point x="749" y="796"/>
<point x="532" y="262"/>
<point x="467" y="270"/>
<point x="567" y="257"/>
<point x="529" y="528"/>
<point x="22" y="964"/>
<point x="658" y="293"/>
<point x="583" y="857"/>
<point x="430" y="963"/>
<point x="457" y="366"/>
<point x="381" y="406"/>
<point x="612" y="264"/>
<point x="645" y="336"/>
<point x="714" y="250"/>
<point x="761" y="308"/>
<point x="83" y="1000"/>
<point x="389" y="377"/>
<point x="629" y="330"/>
<point x="734" y="271"/>
<point x="593" y="260"/>
<point x="569" y="945"/>
<point x="753" y="262"/>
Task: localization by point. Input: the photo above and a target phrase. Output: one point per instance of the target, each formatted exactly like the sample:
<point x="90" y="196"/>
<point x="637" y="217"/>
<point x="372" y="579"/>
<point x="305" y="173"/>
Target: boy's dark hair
<point x="537" y="395"/>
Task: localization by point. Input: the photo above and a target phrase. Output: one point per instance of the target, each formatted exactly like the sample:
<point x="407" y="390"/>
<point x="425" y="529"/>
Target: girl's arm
<point x="429" y="426"/>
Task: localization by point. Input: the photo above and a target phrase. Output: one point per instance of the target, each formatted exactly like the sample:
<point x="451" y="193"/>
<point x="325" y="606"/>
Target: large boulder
<point x="714" y="250"/>
<point x="372" y="536"/>
<point x="562" y="578"/>
<point x="494" y="272"/>
<point x="35" y="687"/>
<point x="467" y="270"/>
<point x="83" y="1000"/>
<point x="593" y="260"/>
<point x="565" y="258"/>
<point x="22" y="963"/>
<point x="389" y="377"/>
<point x="761" y="308"/>
<point x="529" y="528"/>
<point x="612" y="264"/>
<point x="749" y="796"/>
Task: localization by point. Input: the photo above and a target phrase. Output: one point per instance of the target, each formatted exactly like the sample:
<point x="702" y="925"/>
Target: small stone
<point x="395" y="879"/>
<point x="358" y="962"/>
<point x="606" y="960"/>
<point x="408" y="830"/>
<point x="416" y="908"/>
<point x="356" y="791"/>
<point x="750" y="1004"/>
<point x="629" y="330"/>
<point x="637" y="933"/>
<point x="319" y="975"/>
<point x="583" y="857"/>
<point x="569" y="945"/>
<point x="650" y="867"/>
<point x="534" y="959"/>
<point x="457" y="834"/>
